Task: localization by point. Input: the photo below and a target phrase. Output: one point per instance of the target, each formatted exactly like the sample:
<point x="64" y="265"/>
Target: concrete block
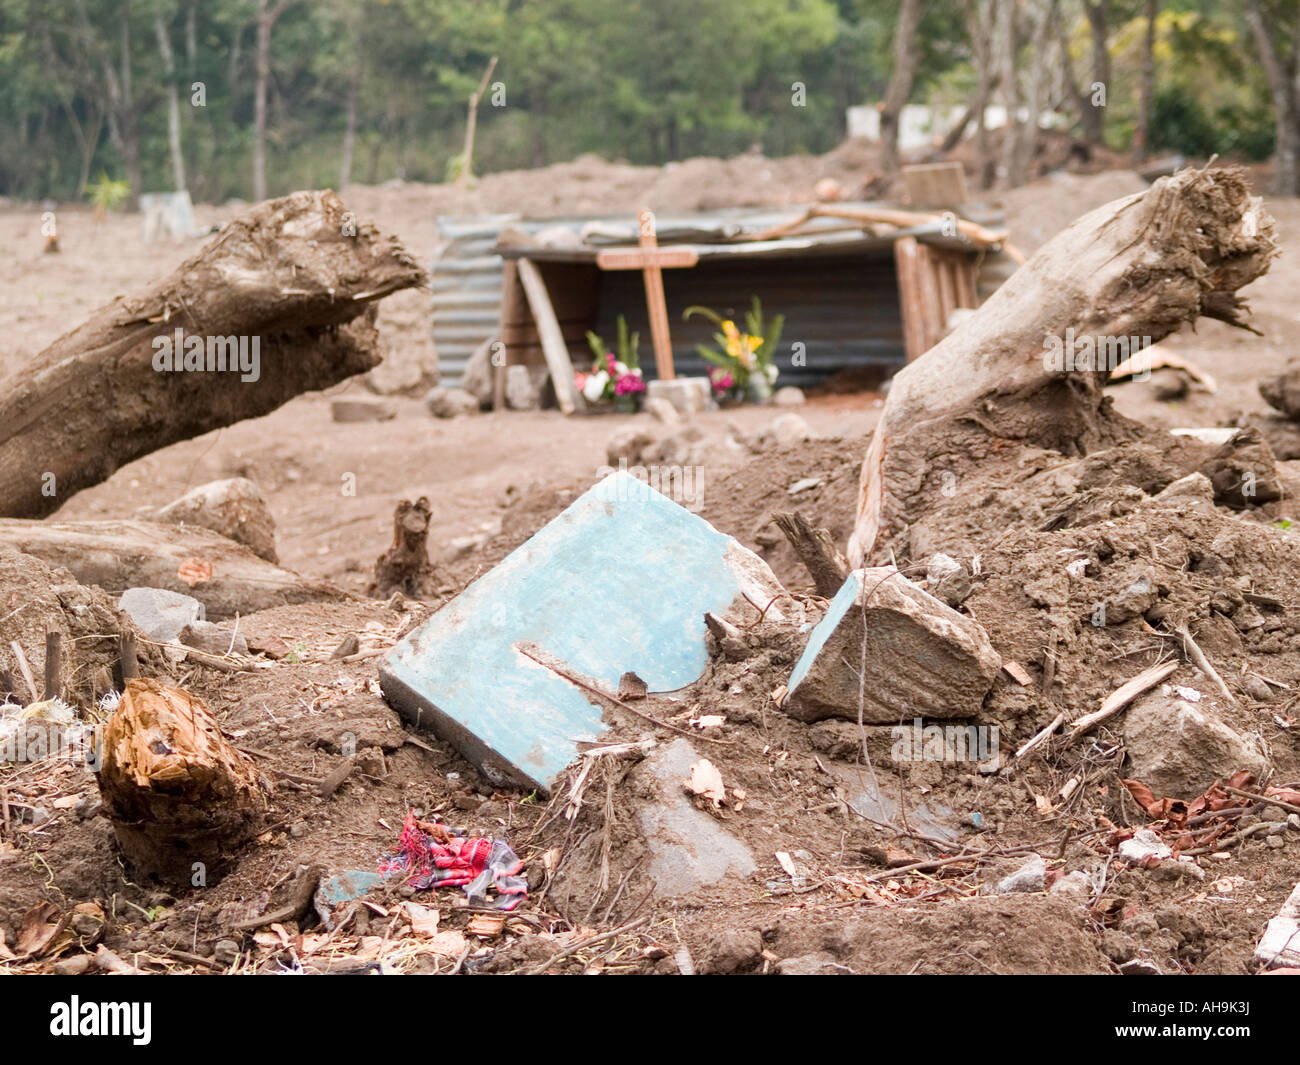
<point x="619" y="582"/>
<point x="923" y="659"/>
<point x="686" y="394"/>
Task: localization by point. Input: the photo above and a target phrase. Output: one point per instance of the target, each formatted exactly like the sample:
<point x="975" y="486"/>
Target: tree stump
<point x="175" y="790"/>
<point x="405" y="566"/>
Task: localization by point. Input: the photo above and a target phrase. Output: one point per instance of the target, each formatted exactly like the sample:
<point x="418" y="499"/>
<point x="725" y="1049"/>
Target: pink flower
<point x="721" y="379"/>
<point x="628" y="385"/>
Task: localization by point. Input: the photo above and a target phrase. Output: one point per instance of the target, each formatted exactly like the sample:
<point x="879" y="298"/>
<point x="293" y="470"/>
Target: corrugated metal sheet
<point x="836" y="286"/>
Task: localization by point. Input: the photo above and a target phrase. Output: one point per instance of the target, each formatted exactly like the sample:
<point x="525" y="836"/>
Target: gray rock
<point x="1031" y="876"/>
<point x="158" y="613"/>
<point x="1144" y="846"/>
<point x="215" y="640"/>
<point x="1244" y="471"/>
<point x="818" y="964"/>
<point x="789" y="396"/>
<point x="947" y="579"/>
<point x="662" y="411"/>
<point x="1075" y="883"/>
<point x="365" y="409"/>
<point x="524" y="386"/>
<point x="1195" y="486"/>
<point x="687" y="394"/>
<point x="629" y="445"/>
<point x="1179" y="749"/>
<point x="226" y="952"/>
<point x="736" y="950"/>
<point x="789" y="429"/>
<point x="444" y="402"/>
<point x="477" y="378"/>
<point x="234" y="508"/>
<point x="923" y="659"/>
<point x="689" y="850"/>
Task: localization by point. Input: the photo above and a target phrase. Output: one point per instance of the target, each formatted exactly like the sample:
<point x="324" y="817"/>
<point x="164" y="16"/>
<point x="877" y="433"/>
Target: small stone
<point x="1178" y="748"/>
<point x="947" y="579"/>
<point x="444" y="402"/>
<point x="1294" y="821"/>
<point x="74" y="966"/>
<point x="1031" y="876"/>
<point x="365" y="409"/>
<point x="38" y="815"/>
<point x="1075" y="883"/>
<point x="226" y="952"/>
<point x="790" y="429"/>
<point x="1256" y="688"/>
<point x="233" y="508"/>
<point x="736" y="950"/>
<point x="1276" y="842"/>
<point x="87" y="807"/>
<point x="662" y="411"/>
<point x="627" y="445"/>
<point x="215" y="640"/>
<point x="524" y="386"/>
<point x="1169" y="385"/>
<point x="1244" y="471"/>
<point x="158" y="613"/>
<point x="789" y="396"/>
<point x="687" y="394"/>
<point x="1145" y="845"/>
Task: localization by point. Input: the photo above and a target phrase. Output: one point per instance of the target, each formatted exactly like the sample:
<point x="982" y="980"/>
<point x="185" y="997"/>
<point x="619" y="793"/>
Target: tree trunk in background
<point x="1041" y="11"/>
<point x="1007" y="40"/>
<point x="1147" y="87"/>
<point x="350" y="125"/>
<point x="1281" y="82"/>
<point x="1094" y="122"/>
<point x="981" y="19"/>
<point x="173" y="103"/>
<point x="286" y="274"/>
<point x="266" y="17"/>
<point x="900" y="82"/>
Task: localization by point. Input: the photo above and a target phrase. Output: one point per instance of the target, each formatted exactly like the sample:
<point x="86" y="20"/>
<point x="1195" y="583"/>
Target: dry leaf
<point x="195" y="571"/>
<point x="448" y="944"/>
<point x="486" y="925"/>
<point x="706" y="781"/>
<point x="39" y="931"/>
<point x="424" y="921"/>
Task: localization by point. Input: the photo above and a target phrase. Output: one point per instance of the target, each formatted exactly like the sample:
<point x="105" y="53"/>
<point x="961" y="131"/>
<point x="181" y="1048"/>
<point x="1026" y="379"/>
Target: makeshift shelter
<point x="860" y="285"/>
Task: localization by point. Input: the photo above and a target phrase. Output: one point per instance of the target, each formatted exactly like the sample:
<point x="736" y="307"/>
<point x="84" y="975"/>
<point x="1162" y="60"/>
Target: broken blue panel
<point x="843" y="602"/>
<point x="619" y="581"/>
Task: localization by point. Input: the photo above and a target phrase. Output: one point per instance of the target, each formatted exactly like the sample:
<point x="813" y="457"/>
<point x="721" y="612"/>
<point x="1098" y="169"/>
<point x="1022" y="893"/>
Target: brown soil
<point x="850" y="906"/>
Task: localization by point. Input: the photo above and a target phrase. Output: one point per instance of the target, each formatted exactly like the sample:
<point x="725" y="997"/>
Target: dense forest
<point x="248" y="98"/>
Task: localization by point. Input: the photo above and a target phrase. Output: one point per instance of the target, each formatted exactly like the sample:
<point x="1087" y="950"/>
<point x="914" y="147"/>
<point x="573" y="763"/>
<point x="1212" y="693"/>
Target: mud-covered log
<point x="226" y="577"/>
<point x="1027" y="369"/>
<point x="176" y="792"/>
<point x="298" y="275"/>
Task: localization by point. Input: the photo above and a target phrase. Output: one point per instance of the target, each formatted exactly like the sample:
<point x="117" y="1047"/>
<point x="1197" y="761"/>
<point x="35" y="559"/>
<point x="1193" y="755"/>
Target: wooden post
<point x="652" y="260"/>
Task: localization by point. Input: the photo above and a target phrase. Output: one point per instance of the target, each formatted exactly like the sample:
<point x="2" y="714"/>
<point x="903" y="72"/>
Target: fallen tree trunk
<point x="226" y="577"/>
<point x="1028" y="368"/>
<point x="298" y="276"/>
<point x="178" y="794"/>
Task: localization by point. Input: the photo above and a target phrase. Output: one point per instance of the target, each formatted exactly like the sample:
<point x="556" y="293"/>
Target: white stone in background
<point x="158" y="613"/>
<point x="1032" y="876"/>
<point x="687" y="394"/>
<point x="1144" y="844"/>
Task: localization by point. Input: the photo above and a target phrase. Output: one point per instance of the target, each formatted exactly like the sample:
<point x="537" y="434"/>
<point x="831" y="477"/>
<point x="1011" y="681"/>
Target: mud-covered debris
<point x="921" y="658"/>
<point x="1244" y="471"/>
<point x="233" y="507"/>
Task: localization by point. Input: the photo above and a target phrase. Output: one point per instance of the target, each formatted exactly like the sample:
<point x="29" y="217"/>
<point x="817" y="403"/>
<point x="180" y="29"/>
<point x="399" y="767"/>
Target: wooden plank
<point x="639" y="259"/>
<point x="935" y="184"/>
<point x="512" y="310"/>
<point x="947" y="279"/>
<point x="553" y="345"/>
<point x="909" y="297"/>
<point x="927" y="281"/>
<point x="967" y="295"/>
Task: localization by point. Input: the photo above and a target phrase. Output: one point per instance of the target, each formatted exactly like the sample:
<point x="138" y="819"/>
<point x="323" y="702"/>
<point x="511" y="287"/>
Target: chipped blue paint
<point x="835" y="611"/>
<point x="619" y="581"/>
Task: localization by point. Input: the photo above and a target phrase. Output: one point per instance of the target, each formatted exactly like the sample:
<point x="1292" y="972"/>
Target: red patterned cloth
<point x="476" y="864"/>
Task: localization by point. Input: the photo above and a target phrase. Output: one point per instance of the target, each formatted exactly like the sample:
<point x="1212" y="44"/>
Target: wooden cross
<point x="651" y="259"/>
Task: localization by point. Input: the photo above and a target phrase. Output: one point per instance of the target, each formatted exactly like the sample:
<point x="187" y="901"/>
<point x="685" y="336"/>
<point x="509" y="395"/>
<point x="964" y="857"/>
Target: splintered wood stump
<point x="176" y="791"/>
<point x="300" y="275"/>
<point x="1133" y="271"/>
<point x="817" y="550"/>
<point x="405" y="566"/>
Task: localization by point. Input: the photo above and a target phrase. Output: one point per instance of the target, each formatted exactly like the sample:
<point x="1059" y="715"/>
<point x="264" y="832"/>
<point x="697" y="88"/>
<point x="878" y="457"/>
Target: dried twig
<point x="1122" y="696"/>
<point x="1194" y="652"/>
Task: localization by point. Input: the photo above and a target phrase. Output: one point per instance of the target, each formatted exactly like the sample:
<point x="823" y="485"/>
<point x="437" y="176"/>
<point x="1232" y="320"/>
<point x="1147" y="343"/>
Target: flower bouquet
<point x="614" y="378"/>
<point x="742" y="366"/>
